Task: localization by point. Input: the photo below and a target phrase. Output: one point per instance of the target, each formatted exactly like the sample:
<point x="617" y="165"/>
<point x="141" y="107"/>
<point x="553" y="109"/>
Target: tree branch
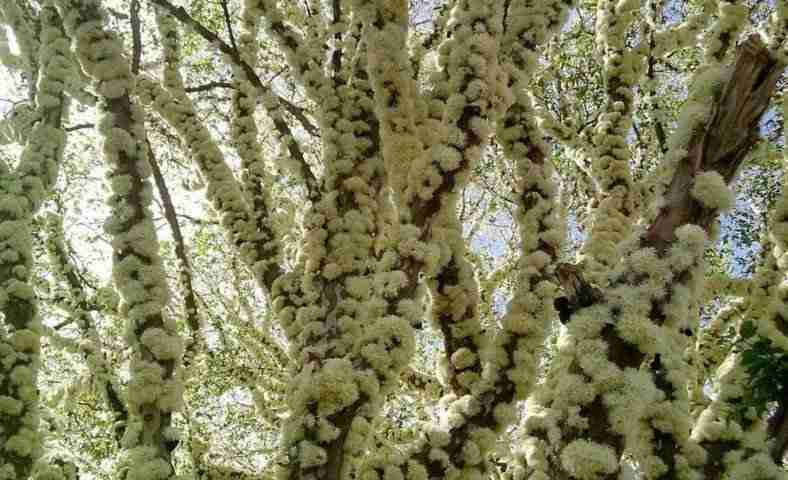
<point x="336" y="55"/>
<point x="208" y="86"/>
<point x="79" y="126"/>
<point x="229" y="24"/>
<point x="136" y="36"/>
<point x="181" y="252"/>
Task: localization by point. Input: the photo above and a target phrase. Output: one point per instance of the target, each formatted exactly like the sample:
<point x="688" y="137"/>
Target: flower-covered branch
<point x="155" y="389"/>
<point x="23" y="191"/>
<point x="80" y="308"/>
<point x="618" y="199"/>
<point x="255" y="177"/>
<point x="778" y="28"/>
<point x="349" y="329"/>
<point x="734" y="433"/>
<point x="474" y="87"/>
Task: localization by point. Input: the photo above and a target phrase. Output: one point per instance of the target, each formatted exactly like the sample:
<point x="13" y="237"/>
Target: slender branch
<point x="198" y="221"/>
<point x="229" y="25"/>
<point x="117" y="14"/>
<point x="79" y="126"/>
<point x="63" y="324"/>
<point x="136" y="36"/>
<point x="659" y="129"/>
<point x="778" y="432"/>
<point x="209" y="86"/>
<point x="185" y="274"/>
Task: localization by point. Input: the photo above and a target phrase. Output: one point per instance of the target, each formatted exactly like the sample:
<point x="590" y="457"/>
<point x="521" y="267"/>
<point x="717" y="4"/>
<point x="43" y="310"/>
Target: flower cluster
<point x="24" y="34"/>
<point x="683" y="35"/>
<point x="530" y="24"/>
<point x="711" y="190"/>
<point x="732" y="18"/>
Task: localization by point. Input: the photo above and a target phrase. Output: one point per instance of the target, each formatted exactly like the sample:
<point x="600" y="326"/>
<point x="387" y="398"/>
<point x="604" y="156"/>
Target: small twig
<point x="229" y="24"/>
<point x="198" y="221"/>
<point x="136" y="36"/>
<point x="659" y="129"/>
<point x="208" y="86"/>
<point x="64" y="323"/>
<point x="79" y="126"/>
<point x="117" y="14"/>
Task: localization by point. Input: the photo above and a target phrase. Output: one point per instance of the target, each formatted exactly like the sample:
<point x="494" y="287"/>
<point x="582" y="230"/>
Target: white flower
<point x="711" y="191"/>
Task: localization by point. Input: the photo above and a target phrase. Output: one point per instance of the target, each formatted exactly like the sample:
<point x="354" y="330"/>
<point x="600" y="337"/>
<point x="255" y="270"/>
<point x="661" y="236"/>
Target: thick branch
<point x="722" y="145"/>
<point x="23" y="191"/>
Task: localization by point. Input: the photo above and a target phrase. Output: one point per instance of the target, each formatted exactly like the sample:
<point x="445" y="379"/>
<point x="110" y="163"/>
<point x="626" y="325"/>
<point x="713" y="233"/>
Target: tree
<point x="389" y="162"/>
